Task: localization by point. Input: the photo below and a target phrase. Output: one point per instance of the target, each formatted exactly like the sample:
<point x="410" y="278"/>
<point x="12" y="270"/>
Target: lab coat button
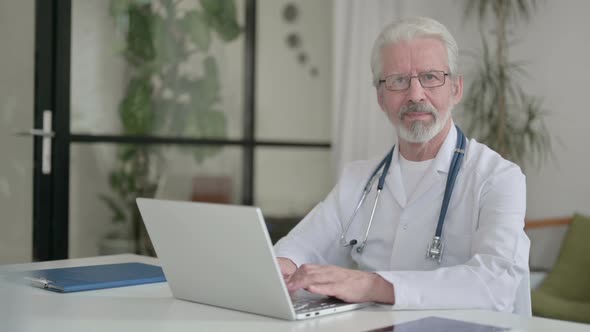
<point x="405" y="227"/>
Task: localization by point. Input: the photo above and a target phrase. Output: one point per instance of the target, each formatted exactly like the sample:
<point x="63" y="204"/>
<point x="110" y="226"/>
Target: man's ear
<point x="457" y="88"/>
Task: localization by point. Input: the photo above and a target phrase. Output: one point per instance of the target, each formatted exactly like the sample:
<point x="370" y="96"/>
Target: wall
<point x="17" y="34"/>
<point x="556" y="47"/>
<point x="292" y="104"/>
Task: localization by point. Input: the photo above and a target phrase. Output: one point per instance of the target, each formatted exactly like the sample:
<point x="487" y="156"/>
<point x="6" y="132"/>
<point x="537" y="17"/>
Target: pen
<point x="39" y="282"/>
<point x="44" y="284"/>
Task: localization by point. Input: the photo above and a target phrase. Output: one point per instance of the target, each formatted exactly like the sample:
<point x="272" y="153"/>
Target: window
<point x="179" y="113"/>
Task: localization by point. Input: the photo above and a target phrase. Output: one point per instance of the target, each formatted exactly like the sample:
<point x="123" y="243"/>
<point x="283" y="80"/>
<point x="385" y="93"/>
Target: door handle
<point x="47" y="134"/>
<point x="35" y="132"/>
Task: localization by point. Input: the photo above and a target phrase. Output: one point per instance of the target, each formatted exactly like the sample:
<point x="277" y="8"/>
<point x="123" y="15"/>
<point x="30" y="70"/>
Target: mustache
<point x="413" y="108"/>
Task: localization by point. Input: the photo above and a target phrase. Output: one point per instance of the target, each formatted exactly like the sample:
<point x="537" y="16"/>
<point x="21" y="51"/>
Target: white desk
<point x="152" y="308"/>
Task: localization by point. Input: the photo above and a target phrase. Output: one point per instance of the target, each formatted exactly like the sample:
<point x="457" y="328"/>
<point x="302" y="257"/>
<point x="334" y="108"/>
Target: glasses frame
<point x="444" y="80"/>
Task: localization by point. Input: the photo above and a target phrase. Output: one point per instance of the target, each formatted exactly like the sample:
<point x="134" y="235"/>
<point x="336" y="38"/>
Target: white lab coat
<point x="486" y="250"/>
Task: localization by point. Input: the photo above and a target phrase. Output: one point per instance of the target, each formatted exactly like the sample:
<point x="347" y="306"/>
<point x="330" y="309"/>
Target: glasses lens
<point x="429" y="79"/>
<point x="397" y="82"/>
<point x="432" y="79"/>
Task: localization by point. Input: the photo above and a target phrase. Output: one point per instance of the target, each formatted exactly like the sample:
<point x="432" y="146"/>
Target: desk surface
<point x="152" y="308"/>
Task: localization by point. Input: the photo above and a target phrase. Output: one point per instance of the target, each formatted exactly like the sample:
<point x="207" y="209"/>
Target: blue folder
<point x="84" y="278"/>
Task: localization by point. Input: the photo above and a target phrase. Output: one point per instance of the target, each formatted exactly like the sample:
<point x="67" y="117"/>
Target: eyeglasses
<point x="429" y="79"/>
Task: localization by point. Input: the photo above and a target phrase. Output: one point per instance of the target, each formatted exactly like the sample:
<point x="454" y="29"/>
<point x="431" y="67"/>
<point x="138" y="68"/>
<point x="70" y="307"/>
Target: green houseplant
<point x="497" y="109"/>
<point x="173" y="90"/>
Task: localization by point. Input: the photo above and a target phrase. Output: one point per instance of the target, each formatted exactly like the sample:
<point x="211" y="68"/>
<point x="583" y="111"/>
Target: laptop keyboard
<point x="304" y="305"/>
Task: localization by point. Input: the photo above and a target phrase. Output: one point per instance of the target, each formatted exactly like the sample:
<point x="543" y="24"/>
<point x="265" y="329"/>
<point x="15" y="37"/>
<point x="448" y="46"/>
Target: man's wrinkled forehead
<point x="418" y="54"/>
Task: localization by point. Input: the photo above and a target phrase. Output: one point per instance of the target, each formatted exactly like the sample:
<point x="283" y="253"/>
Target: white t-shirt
<point x="412" y="173"/>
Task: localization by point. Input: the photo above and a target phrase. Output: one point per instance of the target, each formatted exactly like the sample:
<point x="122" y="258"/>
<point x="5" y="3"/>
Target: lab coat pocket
<point x="457" y="248"/>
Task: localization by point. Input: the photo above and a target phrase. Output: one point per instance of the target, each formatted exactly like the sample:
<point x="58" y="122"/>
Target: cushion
<point x="565" y="293"/>
<point x="551" y="306"/>
<point x="570" y="277"/>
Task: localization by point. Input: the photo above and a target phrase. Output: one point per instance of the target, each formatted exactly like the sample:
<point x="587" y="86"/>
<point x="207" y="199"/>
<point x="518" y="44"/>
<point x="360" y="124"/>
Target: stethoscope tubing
<point x="454" y="170"/>
<point x="385" y="164"/>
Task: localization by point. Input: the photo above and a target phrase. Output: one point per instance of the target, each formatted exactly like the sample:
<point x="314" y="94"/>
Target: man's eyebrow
<point x="395" y="74"/>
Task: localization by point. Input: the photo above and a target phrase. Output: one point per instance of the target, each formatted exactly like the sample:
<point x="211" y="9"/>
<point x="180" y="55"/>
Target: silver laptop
<point x="222" y="255"/>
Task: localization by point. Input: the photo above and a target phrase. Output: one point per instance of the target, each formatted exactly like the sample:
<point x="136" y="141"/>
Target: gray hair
<point x="408" y="29"/>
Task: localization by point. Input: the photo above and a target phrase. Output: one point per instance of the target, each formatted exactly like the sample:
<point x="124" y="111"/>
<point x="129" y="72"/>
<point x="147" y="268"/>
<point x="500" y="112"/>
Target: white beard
<point x="419" y="131"/>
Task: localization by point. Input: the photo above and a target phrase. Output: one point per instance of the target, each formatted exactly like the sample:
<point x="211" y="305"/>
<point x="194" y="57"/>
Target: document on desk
<point x="438" y="324"/>
<point x="84" y="278"/>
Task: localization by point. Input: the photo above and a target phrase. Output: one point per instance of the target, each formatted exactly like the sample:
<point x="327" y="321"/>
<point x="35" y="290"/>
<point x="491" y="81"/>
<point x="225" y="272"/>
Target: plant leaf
<point x="168" y="47"/>
<point x="119" y="10"/>
<point x="140" y="47"/>
<point x="197" y="27"/>
<point x="136" y="110"/>
<point x="221" y="15"/>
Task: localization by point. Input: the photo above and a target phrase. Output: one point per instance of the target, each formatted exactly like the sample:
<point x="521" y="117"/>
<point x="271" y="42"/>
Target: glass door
<point x="156" y="110"/>
<point x="157" y="98"/>
<point x="17" y="33"/>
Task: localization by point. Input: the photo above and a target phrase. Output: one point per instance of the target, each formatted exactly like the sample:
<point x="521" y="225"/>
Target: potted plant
<point x="173" y="89"/>
<point x="498" y="110"/>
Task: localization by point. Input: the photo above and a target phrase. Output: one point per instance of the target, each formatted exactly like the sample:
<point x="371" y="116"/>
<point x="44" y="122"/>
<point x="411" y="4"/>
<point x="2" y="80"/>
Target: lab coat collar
<point x="443" y="158"/>
<point x="395" y="183"/>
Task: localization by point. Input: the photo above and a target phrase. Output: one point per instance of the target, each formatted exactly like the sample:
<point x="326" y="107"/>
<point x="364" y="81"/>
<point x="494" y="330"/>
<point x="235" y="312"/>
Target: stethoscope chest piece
<point x="435" y="249"/>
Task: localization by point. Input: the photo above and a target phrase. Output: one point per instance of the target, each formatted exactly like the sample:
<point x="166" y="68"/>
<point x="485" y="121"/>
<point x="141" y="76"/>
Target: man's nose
<point x="416" y="91"/>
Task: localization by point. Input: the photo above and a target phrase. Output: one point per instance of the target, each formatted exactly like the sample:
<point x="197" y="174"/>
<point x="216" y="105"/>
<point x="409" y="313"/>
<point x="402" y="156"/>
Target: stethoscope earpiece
<point x="352" y="242"/>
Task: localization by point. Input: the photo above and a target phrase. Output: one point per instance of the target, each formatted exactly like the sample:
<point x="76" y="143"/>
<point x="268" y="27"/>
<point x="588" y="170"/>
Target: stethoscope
<point x="435" y="249"/>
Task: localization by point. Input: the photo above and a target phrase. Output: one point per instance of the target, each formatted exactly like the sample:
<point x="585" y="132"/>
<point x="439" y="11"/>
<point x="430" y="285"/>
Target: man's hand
<point x="345" y="284"/>
<point x="287" y="267"/>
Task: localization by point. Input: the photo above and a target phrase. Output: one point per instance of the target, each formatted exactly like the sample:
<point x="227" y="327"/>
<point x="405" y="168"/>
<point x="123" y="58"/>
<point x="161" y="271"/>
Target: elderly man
<point x="446" y="230"/>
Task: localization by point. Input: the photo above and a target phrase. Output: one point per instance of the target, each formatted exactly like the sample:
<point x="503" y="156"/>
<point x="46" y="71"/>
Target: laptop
<point x="221" y="255"/>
